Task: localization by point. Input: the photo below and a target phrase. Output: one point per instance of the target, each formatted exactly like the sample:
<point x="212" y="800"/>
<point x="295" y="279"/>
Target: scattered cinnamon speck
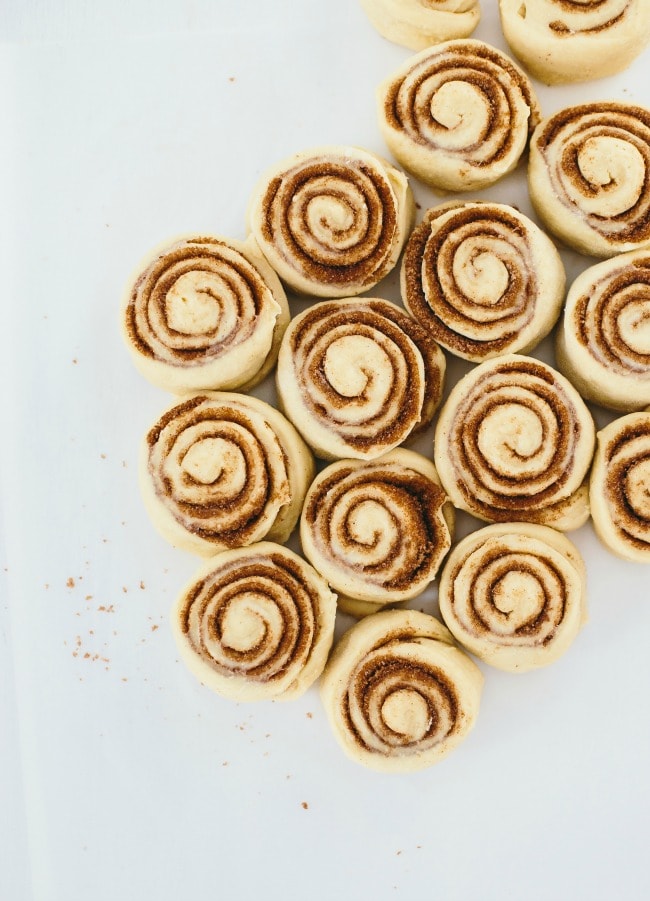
<point x="397" y="853"/>
<point x="124" y="464"/>
<point x="124" y="679"/>
<point x="225" y="763"/>
<point x="154" y="627"/>
<point x="142" y="586"/>
<point x="305" y="805"/>
<point x="309" y="715"/>
<point x="231" y="78"/>
<point x="75" y="361"/>
<point x="70" y="582"/>
<point x="104" y="609"/>
<point x="124" y="589"/>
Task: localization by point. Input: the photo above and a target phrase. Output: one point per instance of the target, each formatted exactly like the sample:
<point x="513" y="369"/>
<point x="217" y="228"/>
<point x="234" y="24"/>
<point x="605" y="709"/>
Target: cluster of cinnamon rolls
<point x="233" y="478"/>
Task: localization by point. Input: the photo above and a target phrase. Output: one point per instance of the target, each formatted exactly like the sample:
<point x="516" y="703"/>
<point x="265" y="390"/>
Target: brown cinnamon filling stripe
<point x="623" y="513"/>
<point x="561" y="28"/>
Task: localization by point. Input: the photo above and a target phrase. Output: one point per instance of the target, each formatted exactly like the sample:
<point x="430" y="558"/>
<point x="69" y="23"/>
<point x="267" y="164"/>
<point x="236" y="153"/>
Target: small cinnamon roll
<point x="419" y="23"/>
<point x="620" y="487"/>
<point x="561" y="41"/>
<point x="482" y="278"/>
<point x="603" y="341"/>
<point x="514" y="441"/>
<point x="332" y="220"/>
<point x="398" y="693"/>
<point x="514" y="594"/>
<point x="221" y="470"/>
<point x="589" y="177"/>
<point x="256" y="623"/>
<point x="377" y="531"/>
<point x="458" y="115"/>
<point x="204" y="312"/>
<point x="358" y="376"/>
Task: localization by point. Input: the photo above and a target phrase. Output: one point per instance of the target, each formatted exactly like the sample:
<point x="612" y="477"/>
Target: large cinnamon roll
<point x="332" y="221"/>
<point x="419" y="23"/>
<point x="514" y="594"/>
<point x="204" y="312"/>
<point x="620" y="487"/>
<point x="458" y="115"/>
<point x="398" y="693"/>
<point x="603" y="342"/>
<point x="377" y="531"/>
<point x="358" y="376"/>
<point x="223" y="470"/>
<point x="575" y="40"/>
<point x="256" y="623"/>
<point x="514" y="441"/>
<point x="482" y="278"/>
<point x="589" y="177"/>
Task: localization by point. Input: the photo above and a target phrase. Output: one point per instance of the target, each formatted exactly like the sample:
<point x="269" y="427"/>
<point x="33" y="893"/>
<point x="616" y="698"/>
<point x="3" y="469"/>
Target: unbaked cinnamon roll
<point x="482" y="278"/>
<point x="575" y="40"/>
<point x="204" y="312"/>
<point x="223" y="470"/>
<point x="589" y="177"/>
<point x="514" y="441"/>
<point x="398" y="693"/>
<point x="603" y="342"/>
<point x="514" y="594"/>
<point x="458" y="115"/>
<point x="419" y="23"/>
<point x="377" y="531"/>
<point x="332" y="221"/>
<point x="620" y="487"/>
<point x="256" y="623"/>
<point x="358" y="376"/>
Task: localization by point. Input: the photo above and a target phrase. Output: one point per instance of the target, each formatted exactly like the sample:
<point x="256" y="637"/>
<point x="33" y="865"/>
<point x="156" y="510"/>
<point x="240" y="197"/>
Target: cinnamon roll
<point x="204" y="312"/>
<point x="514" y="594"/>
<point x="620" y="487"/>
<point x="458" y="115"/>
<point x="562" y="41"/>
<point x="256" y="623"/>
<point x="482" y="278"/>
<point x="589" y="177"/>
<point x="603" y="343"/>
<point x="419" y="23"/>
<point x="358" y="376"/>
<point x="398" y="693"/>
<point x="223" y="470"/>
<point x="514" y="441"/>
<point x="377" y="531"/>
<point x="332" y="221"/>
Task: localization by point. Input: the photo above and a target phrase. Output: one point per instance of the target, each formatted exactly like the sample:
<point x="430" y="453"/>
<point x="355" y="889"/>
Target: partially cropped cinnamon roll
<point x="204" y="312"/>
<point x="256" y="623"/>
<point x="575" y="40"/>
<point x="223" y="470"/>
<point x="589" y="177"/>
<point x="620" y="487"/>
<point x="482" y="278"/>
<point x="603" y="341"/>
<point x="419" y="23"/>
<point x="377" y="531"/>
<point x="458" y="115"/>
<point x="358" y="376"/>
<point x="514" y="441"/>
<point x="514" y="594"/>
<point x="332" y="220"/>
<point x="398" y="693"/>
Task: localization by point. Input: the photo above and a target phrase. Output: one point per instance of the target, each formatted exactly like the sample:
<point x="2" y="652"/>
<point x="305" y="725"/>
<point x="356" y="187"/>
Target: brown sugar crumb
<point x="124" y="589"/>
<point x="70" y="582"/>
<point x="103" y="609"/>
<point x="309" y="715"/>
<point x="305" y="805"/>
<point x="154" y="627"/>
<point x="88" y="597"/>
<point x="142" y="586"/>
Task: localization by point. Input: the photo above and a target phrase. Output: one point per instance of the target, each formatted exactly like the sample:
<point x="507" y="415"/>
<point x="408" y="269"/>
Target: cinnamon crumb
<point x="305" y="805"/>
<point x="142" y="586"/>
<point x="154" y="627"/>
<point x="70" y="582"/>
<point x="309" y="715"/>
<point x="124" y="589"/>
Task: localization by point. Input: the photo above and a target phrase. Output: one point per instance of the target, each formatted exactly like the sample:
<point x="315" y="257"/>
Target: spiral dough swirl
<point x="589" y="177"/>
<point x="398" y="693"/>
<point x="224" y="470"/>
<point x="204" y="312"/>
<point x="419" y="23"/>
<point x="458" y="115"/>
<point x="514" y="595"/>
<point x="377" y="531"/>
<point x="356" y="377"/>
<point x="514" y="442"/>
<point x="332" y="221"/>
<point x="603" y="346"/>
<point x="483" y="278"/>
<point x="620" y="487"/>
<point x="575" y="40"/>
<point x="256" y="623"/>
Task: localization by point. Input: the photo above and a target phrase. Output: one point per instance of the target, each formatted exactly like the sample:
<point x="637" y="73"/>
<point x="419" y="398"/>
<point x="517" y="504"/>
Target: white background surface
<point x="120" y="776"/>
